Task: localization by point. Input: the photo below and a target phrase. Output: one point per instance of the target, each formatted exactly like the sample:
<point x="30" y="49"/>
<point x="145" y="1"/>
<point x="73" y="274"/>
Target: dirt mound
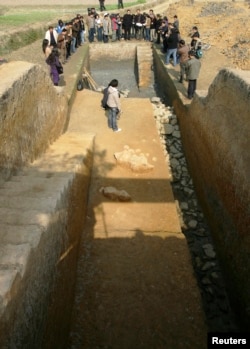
<point x="223" y="25"/>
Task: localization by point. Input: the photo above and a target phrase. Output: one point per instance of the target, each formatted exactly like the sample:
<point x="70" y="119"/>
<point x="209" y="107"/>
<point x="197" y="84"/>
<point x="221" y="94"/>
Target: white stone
<point x="155" y="100"/>
<point x="137" y="163"/>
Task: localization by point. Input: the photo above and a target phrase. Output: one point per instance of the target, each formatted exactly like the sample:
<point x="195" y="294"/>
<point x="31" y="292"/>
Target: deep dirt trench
<point x="135" y="283"/>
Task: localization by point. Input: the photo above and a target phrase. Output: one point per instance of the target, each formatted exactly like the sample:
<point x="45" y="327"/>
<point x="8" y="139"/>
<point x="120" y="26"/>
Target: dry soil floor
<point x="135" y="285"/>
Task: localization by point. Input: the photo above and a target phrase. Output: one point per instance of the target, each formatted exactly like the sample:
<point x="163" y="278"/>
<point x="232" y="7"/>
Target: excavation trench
<point x="123" y="275"/>
<point x="120" y="264"/>
<point x="134" y="263"/>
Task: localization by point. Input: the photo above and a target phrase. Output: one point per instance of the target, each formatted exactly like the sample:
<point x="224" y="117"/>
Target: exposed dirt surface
<point x="135" y="287"/>
<point x="223" y="25"/>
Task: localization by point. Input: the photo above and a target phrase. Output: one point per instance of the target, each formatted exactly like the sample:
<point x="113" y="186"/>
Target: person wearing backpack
<point x="114" y="105"/>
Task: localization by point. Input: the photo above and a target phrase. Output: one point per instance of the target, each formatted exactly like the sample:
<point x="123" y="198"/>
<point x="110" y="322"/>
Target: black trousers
<point x="127" y="33"/>
<point x="191" y="88"/>
<point x="102" y="6"/>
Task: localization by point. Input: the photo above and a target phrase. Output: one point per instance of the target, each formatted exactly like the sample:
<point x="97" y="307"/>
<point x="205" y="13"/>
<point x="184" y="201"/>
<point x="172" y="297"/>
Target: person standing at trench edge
<point x="193" y="69"/>
<point x="114" y="105"/>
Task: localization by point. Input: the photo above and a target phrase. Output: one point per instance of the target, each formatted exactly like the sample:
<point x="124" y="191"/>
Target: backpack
<point x="198" y="53"/>
<point x="105" y="98"/>
<point x="80" y="85"/>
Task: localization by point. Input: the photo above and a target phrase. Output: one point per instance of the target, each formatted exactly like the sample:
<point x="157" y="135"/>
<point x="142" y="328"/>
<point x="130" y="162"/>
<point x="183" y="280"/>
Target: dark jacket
<point x="127" y="20"/>
<point x="173" y="39"/>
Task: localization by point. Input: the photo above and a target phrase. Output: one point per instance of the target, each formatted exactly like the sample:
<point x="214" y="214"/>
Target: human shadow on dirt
<point x="136" y="292"/>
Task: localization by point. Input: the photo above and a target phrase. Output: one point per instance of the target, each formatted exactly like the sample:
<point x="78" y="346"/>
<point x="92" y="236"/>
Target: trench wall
<point x="32" y="114"/>
<point x="215" y="130"/>
<point x="44" y="183"/>
<point x="119" y="51"/>
<point x="38" y="254"/>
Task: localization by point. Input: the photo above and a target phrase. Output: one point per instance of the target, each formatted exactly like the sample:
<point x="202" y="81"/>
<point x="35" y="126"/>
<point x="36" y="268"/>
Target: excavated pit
<point x="131" y="78"/>
<point x="125" y="72"/>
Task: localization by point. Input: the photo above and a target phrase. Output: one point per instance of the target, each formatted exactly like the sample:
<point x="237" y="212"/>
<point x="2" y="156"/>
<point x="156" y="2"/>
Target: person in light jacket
<point x="114" y="105"/>
<point x="193" y="70"/>
<point x="106" y="23"/>
<point x="51" y="35"/>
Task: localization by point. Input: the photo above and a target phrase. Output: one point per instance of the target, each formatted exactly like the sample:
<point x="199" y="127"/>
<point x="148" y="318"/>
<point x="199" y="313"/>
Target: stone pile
<point x="133" y="159"/>
<point x="221" y="8"/>
<point x="206" y="265"/>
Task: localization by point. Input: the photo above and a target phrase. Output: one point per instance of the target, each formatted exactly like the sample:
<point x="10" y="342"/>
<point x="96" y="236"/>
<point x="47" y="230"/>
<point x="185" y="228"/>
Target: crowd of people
<point x="141" y="26"/>
<point x="61" y="42"/>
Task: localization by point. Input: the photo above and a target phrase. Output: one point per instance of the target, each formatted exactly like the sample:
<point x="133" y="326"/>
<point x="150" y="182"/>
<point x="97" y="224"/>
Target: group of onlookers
<point x="62" y="41"/>
<point x="152" y="28"/>
<point x="138" y="25"/>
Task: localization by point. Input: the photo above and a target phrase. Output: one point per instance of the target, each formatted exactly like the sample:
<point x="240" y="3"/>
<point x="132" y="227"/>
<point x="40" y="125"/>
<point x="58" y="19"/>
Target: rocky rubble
<point x="219" y="8"/>
<point x="133" y="159"/>
<point x="206" y="265"/>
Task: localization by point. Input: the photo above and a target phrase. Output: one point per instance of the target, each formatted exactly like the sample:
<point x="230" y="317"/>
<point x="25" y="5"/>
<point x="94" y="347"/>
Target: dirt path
<point x="135" y="286"/>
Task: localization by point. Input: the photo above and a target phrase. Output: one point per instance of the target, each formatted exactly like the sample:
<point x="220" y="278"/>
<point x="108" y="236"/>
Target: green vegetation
<point x="23" y="18"/>
<point x="26" y="15"/>
<point x="22" y="25"/>
<point x="21" y="39"/>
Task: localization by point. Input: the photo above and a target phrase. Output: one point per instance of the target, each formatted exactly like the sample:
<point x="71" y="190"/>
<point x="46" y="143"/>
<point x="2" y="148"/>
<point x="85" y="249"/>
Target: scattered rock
<point x="206" y="266"/>
<point x="115" y="194"/>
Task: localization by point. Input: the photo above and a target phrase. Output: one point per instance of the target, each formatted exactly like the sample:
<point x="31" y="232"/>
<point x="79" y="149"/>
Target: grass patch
<point x="26" y="24"/>
<point x="21" y="39"/>
<point x="27" y="15"/>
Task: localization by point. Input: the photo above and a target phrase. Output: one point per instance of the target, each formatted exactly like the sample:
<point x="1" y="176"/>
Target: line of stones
<point x="219" y="314"/>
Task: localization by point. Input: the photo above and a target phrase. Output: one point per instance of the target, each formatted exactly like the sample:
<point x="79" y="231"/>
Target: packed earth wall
<point x="32" y="114"/>
<point x="215" y="130"/>
<point x="44" y="186"/>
